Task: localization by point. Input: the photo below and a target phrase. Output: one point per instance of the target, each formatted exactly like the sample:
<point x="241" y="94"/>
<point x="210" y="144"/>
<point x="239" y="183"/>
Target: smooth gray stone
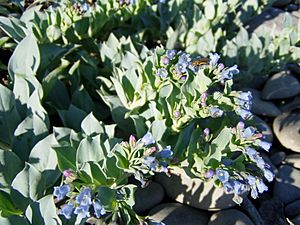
<point x="281" y="3"/>
<point x="292" y="209"/>
<point x="286" y="128"/>
<point x="194" y="192"/>
<point x="262" y="107"/>
<point x="148" y="197"/>
<point x="177" y="214"/>
<point x="287" y="184"/>
<point x="281" y="85"/>
<point x="277" y="158"/>
<point x="293" y="160"/>
<point x="270" y="21"/>
<point x="230" y="217"/>
<point x="296" y="220"/>
<point x="263" y="128"/>
<point x="291" y="105"/>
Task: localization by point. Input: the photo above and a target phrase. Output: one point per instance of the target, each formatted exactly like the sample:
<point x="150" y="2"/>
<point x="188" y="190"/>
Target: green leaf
<point x="9" y="116"/>
<point x="72" y="117"/>
<point x="107" y="197"/>
<point x="219" y="144"/>
<point x="98" y="174"/>
<point x="90" y="125"/>
<point x="26" y="57"/>
<point x="209" y="10"/>
<point x="53" y="33"/>
<point x="13" y="220"/>
<point x="13" y="28"/>
<point x="66" y="157"/>
<point x="43" y="157"/>
<point x="10" y="166"/>
<point x="43" y="212"/>
<point x="158" y="129"/>
<point x="28" y="186"/>
<point x="183" y="141"/>
<point x="6" y="205"/>
<point x="90" y="149"/>
<point x="31" y="130"/>
<point x="130" y="194"/>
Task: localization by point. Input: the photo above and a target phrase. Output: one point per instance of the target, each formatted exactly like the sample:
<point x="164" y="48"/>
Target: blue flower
<point x="84" y="197"/>
<point x="61" y="192"/>
<point x="222" y="175"/>
<point x="248" y="132"/>
<point x="165" y="153"/>
<point x="82" y="211"/>
<point x="148" y="139"/>
<point x="261" y="187"/>
<point x="240" y="125"/>
<point x="254" y="193"/>
<point x="238" y="187"/>
<point x="67" y="210"/>
<point x="228" y="187"/>
<point x="165" y="60"/>
<point x="264" y="145"/>
<point x="214" y="58"/>
<point x="251" y="180"/>
<point x="181" y="68"/>
<point x="209" y="173"/>
<point x="268" y="175"/>
<point x="98" y="209"/>
<point x="228" y="73"/>
<point x="171" y="54"/>
<point x="162" y="72"/>
<point x="151" y="163"/>
<point x="85" y="7"/>
<point x="215" y="112"/>
<point x="245" y="114"/>
<point x="184" y="59"/>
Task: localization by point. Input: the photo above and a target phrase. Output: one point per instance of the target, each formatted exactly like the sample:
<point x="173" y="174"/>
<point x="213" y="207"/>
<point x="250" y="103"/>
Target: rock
<point x="292" y="7"/>
<point x="296" y="221"/>
<point x="261" y="107"/>
<point x="270" y="21"/>
<point x="280" y="85"/>
<point x="287" y="184"/>
<point x="296" y="14"/>
<point x="294" y="68"/>
<point x="148" y="197"/>
<point x="291" y="105"/>
<point x="277" y="158"/>
<point x="175" y="214"/>
<point x="272" y="212"/>
<point x="229" y="217"/>
<point x="263" y="128"/>
<point x="293" y="160"/>
<point x="292" y="209"/>
<point x="194" y="192"/>
<point x="281" y="3"/>
<point x="287" y="129"/>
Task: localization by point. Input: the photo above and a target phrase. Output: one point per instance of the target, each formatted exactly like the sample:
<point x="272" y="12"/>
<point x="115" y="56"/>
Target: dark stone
<point x="287" y="184"/>
<point x="292" y="209"/>
<point x="148" y="197"/>
<point x="230" y="217"/>
<point x="177" y="214"/>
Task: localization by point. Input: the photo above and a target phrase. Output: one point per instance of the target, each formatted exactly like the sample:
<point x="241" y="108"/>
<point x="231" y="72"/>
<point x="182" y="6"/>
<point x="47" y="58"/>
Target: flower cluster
<point x="80" y="204"/>
<point x="251" y="178"/>
<point x="145" y="158"/>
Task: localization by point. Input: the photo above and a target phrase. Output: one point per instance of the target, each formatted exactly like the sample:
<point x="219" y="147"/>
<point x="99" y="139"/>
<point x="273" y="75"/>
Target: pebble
<point x="287" y="130"/>
<point x="281" y="85"/>
<point x="177" y="214"/>
<point x="229" y="217"/>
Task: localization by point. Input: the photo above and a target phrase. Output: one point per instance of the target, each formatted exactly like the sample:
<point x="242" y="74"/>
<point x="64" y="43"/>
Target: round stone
<point x="261" y="107"/>
<point x="277" y="158"/>
<point x="287" y="184"/>
<point x="175" y="214"/>
<point x="263" y="128"/>
<point x="230" y="217"/>
<point x="281" y="85"/>
<point x="292" y="209"/>
<point x="287" y="129"/>
<point x="148" y="197"/>
<point x="293" y="160"/>
<point x="194" y="192"/>
<point x="281" y="3"/>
